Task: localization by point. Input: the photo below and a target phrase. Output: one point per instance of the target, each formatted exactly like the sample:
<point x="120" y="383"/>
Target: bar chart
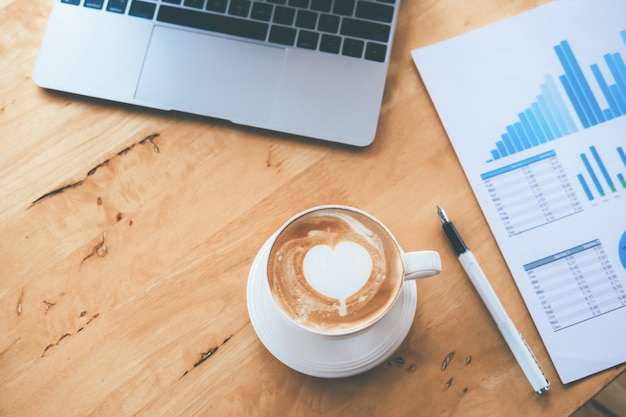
<point x="598" y="181"/>
<point x="558" y="113"/>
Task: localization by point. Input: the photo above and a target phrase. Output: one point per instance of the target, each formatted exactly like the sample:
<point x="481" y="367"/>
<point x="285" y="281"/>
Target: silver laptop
<point x="314" y="68"/>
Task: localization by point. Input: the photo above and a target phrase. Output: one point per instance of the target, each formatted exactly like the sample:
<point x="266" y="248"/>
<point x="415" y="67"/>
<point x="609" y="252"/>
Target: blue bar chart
<point x="597" y="180"/>
<point x="556" y="114"/>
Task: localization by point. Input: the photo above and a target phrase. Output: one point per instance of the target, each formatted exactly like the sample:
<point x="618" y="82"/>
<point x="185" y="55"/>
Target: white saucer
<point x="325" y="356"/>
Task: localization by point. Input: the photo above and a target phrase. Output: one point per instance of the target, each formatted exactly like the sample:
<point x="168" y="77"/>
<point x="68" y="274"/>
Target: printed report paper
<point x="535" y="108"/>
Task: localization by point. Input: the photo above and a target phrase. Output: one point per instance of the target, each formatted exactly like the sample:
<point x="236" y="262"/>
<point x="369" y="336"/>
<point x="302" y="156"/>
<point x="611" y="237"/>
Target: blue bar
<point x="592" y="174"/>
<point x="521" y="134"/>
<point x="563" y="117"/>
<point x="542" y="121"/>
<point x="546" y="111"/>
<point x="537" y="129"/>
<point x="613" y="62"/>
<point x="576" y="74"/>
<point x="605" y="90"/>
<point x="509" y="143"/>
<point x="501" y="149"/>
<point x="554" y="112"/>
<point x="623" y="33"/>
<point x="621" y="100"/>
<point x="622" y="155"/>
<point x="494" y="155"/>
<point x="528" y="129"/>
<point x="621" y="68"/>
<point x="583" y="183"/>
<point x="517" y="143"/>
<point x="582" y="115"/>
<point x="619" y="62"/>
<point x="573" y="88"/>
<point x="603" y="170"/>
<point x="608" y="114"/>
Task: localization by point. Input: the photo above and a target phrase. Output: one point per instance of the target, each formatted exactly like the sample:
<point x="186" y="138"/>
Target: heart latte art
<point x="339" y="272"/>
<point x="334" y="270"/>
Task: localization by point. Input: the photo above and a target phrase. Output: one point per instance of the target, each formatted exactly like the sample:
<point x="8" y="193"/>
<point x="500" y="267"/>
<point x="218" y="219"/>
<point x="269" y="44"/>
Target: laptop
<point x="314" y="68"/>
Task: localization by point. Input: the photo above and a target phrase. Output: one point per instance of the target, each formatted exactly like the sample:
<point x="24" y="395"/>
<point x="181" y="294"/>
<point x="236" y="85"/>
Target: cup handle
<point x="421" y="264"/>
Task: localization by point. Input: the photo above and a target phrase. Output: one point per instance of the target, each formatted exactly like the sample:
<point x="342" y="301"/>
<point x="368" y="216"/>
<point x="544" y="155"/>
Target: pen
<point x="513" y="338"/>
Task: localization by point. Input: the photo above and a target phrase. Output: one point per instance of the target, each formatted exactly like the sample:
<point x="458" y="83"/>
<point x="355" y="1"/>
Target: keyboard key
<point x="262" y="11"/>
<point x="330" y="43"/>
<point x="216" y="5"/>
<point x="306" y="19"/>
<point x="328" y="23"/>
<point x="72" y="2"/>
<point x="299" y="3"/>
<point x="172" y="1"/>
<point x="321" y="5"/>
<point x="213" y="22"/>
<point x="196" y="4"/>
<point x="374" y="11"/>
<point x="375" y="52"/>
<point x="277" y="1"/>
<point x="352" y="47"/>
<point x="307" y="40"/>
<point x="117" y="6"/>
<point x="344" y="7"/>
<point x="94" y="4"/>
<point x="239" y="8"/>
<point x="282" y="35"/>
<point x="284" y="15"/>
<point x="365" y="30"/>
<point x="142" y="9"/>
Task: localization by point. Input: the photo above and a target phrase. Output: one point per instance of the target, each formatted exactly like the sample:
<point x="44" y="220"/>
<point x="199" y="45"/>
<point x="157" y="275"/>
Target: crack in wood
<point x="150" y="139"/>
<point x="57" y="191"/>
<point x="66" y="335"/>
<point x="19" y="303"/>
<point x="51" y="345"/>
<point x="206" y="355"/>
<point x="100" y="250"/>
<point x="62" y="189"/>
<point x="49" y="305"/>
<point x="447" y="360"/>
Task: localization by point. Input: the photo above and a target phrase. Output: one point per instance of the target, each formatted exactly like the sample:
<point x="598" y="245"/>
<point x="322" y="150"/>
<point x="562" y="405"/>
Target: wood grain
<point x="610" y="402"/>
<point x="128" y="234"/>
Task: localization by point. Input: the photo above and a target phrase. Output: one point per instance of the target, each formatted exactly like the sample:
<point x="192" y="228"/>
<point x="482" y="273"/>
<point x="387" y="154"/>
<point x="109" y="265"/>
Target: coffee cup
<point x="336" y="270"/>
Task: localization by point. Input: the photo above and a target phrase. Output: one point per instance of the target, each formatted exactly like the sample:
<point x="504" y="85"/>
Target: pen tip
<point x="441" y="214"/>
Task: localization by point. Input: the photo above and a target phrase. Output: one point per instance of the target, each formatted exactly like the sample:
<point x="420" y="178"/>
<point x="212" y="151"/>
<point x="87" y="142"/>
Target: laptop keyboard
<point x="354" y="28"/>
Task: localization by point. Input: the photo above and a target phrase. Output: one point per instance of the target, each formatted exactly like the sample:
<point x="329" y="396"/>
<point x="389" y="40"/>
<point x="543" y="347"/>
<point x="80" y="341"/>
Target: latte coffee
<point x="335" y="270"/>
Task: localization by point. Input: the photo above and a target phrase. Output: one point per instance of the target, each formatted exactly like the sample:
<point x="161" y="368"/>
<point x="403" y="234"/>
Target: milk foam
<point x="334" y="269"/>
<point x="337" y="272"/>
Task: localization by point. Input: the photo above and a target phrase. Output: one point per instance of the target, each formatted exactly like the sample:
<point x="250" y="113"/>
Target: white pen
<point x="513" y="338"/>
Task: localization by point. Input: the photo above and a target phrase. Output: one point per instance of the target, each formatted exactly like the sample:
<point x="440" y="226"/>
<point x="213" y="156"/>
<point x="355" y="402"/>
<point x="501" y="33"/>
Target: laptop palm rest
<point x="182" y="69"/>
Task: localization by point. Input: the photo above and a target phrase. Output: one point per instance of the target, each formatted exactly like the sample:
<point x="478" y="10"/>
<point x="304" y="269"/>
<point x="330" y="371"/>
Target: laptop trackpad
<point x="212" y="76"/>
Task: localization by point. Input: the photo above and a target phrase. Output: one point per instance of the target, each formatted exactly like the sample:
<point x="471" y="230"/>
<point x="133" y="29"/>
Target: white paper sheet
<point x="547" y="165"/>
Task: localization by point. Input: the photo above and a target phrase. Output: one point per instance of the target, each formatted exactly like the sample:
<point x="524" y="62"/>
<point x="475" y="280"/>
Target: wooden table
<point x="126" y="237"/>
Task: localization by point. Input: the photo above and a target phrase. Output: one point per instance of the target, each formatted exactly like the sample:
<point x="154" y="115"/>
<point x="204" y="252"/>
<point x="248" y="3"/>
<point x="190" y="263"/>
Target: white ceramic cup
<point x="336" y="270"/>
